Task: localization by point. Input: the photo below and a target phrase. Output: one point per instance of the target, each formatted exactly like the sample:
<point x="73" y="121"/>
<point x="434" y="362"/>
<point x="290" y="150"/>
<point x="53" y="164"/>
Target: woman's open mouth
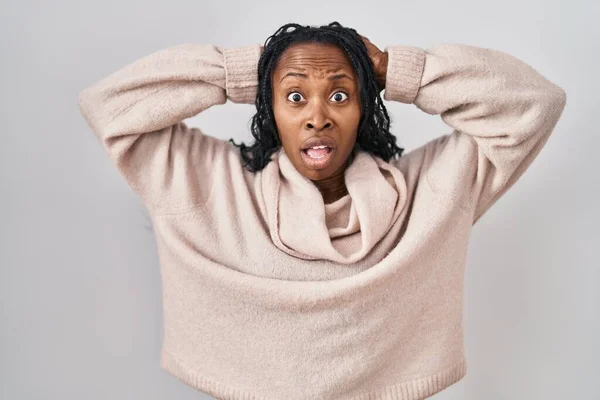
<point x="318" y="157"/>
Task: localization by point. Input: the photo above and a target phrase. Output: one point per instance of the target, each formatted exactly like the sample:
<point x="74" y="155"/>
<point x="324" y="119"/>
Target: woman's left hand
<point x="379" y="59"/>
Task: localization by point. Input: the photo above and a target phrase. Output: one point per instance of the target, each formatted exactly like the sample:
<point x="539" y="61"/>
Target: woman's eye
<point x="295" y="97"/>
<point x="338" y="96"/>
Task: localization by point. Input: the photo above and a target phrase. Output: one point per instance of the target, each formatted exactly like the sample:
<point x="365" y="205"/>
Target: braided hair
<point x="373" y="131"/>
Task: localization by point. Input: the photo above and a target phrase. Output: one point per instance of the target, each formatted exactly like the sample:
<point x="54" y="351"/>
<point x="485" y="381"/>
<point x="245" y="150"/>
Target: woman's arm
<point x="501" y="109"/>
<point x="137" y="113"/>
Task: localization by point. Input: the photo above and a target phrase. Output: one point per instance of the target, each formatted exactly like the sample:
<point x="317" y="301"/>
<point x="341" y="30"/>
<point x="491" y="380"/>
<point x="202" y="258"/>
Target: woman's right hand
<point x="379" y="59"/>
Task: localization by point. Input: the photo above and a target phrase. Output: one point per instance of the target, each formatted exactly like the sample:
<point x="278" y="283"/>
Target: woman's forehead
<point x="313" y="59"/>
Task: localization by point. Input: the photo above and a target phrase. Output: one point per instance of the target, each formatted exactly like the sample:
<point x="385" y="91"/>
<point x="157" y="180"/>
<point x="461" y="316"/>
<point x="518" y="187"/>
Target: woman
<point x="317" y="263"/>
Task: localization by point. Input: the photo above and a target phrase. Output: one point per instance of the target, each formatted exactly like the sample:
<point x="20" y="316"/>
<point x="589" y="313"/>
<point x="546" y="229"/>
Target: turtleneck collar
<point x="344" y="231"/>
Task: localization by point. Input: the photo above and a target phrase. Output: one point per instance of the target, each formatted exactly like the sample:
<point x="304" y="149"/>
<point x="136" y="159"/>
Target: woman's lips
<point x="317" y="163"/>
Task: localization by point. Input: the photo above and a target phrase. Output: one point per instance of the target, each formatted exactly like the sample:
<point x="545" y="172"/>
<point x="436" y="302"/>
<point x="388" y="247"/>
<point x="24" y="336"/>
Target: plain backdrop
<point x="80" y="289"/>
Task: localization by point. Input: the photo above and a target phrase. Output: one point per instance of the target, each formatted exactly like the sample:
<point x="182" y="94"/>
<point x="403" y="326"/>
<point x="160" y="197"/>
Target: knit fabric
<point x="269" y="293"/>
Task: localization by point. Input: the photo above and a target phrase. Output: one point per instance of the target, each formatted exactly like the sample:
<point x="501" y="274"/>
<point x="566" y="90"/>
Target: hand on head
<point x="379" y="59"/>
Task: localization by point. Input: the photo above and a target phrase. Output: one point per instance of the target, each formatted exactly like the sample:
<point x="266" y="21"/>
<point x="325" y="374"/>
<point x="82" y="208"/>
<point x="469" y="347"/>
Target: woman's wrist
<point x="381" y="71"/>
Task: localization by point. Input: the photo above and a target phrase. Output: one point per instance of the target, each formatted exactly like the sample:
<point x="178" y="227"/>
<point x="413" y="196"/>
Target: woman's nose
<point x="317" y="126"/>
<point x="318" y="119"/>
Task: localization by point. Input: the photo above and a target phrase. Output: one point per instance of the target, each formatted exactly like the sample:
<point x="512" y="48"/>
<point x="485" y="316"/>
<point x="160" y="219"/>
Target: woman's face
<point x="316" y="95"/>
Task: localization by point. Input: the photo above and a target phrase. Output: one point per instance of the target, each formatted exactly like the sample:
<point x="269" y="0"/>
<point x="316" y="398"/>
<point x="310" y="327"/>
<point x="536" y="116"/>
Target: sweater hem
<point x="415" y="389"/>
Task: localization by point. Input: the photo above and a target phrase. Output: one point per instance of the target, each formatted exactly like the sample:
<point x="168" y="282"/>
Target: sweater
<point x="268" y="292"/>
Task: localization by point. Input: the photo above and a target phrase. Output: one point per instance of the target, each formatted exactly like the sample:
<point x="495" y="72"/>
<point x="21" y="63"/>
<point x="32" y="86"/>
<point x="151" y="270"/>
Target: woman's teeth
<point x="317" y="152"/>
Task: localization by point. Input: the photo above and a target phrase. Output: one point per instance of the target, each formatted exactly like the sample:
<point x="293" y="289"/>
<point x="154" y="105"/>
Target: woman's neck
<point x="332" y="188"/>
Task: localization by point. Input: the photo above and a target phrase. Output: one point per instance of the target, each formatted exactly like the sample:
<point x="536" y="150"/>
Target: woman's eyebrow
<point x="330" y="78"/>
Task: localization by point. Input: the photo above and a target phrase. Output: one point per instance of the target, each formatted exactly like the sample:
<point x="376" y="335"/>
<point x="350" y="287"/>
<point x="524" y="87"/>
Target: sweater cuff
<point x="404" y="73"/>
<point x="241" y="72"/>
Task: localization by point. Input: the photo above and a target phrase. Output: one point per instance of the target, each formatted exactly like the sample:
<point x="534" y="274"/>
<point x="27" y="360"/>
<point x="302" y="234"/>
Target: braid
<point x="373" y="135"/>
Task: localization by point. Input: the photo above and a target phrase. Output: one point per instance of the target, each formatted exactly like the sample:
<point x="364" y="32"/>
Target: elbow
<point x="83" y="101"/>
<point x="556" y="95"/>
<point x="89" y="97"/>
<point x="549" y="104"/>
<point x="88" y="109"/>
<point x="558" y="100"/>
<point x="562" y="98"/>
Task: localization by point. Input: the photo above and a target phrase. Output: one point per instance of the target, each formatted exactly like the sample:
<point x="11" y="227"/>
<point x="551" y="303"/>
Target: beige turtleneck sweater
<point x="268" y="293"/>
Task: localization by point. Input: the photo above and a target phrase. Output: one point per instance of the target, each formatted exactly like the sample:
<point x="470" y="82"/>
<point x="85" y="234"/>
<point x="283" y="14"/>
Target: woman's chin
<point x="334" y="168"/>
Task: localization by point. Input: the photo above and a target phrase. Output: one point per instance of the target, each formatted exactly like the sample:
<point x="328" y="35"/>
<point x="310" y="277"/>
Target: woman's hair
<point x="373" y="131"/>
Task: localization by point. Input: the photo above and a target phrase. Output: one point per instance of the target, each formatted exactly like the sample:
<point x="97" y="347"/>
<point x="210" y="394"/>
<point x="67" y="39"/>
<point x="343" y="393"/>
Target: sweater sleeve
<point x="502" y="112"/>
<point x="137" y="114"/>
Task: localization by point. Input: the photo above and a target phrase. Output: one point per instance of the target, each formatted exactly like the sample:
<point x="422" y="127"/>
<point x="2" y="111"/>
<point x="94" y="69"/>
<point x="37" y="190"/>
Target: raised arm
<point x="501" y="109"/>
<point x="137" y="114"/>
